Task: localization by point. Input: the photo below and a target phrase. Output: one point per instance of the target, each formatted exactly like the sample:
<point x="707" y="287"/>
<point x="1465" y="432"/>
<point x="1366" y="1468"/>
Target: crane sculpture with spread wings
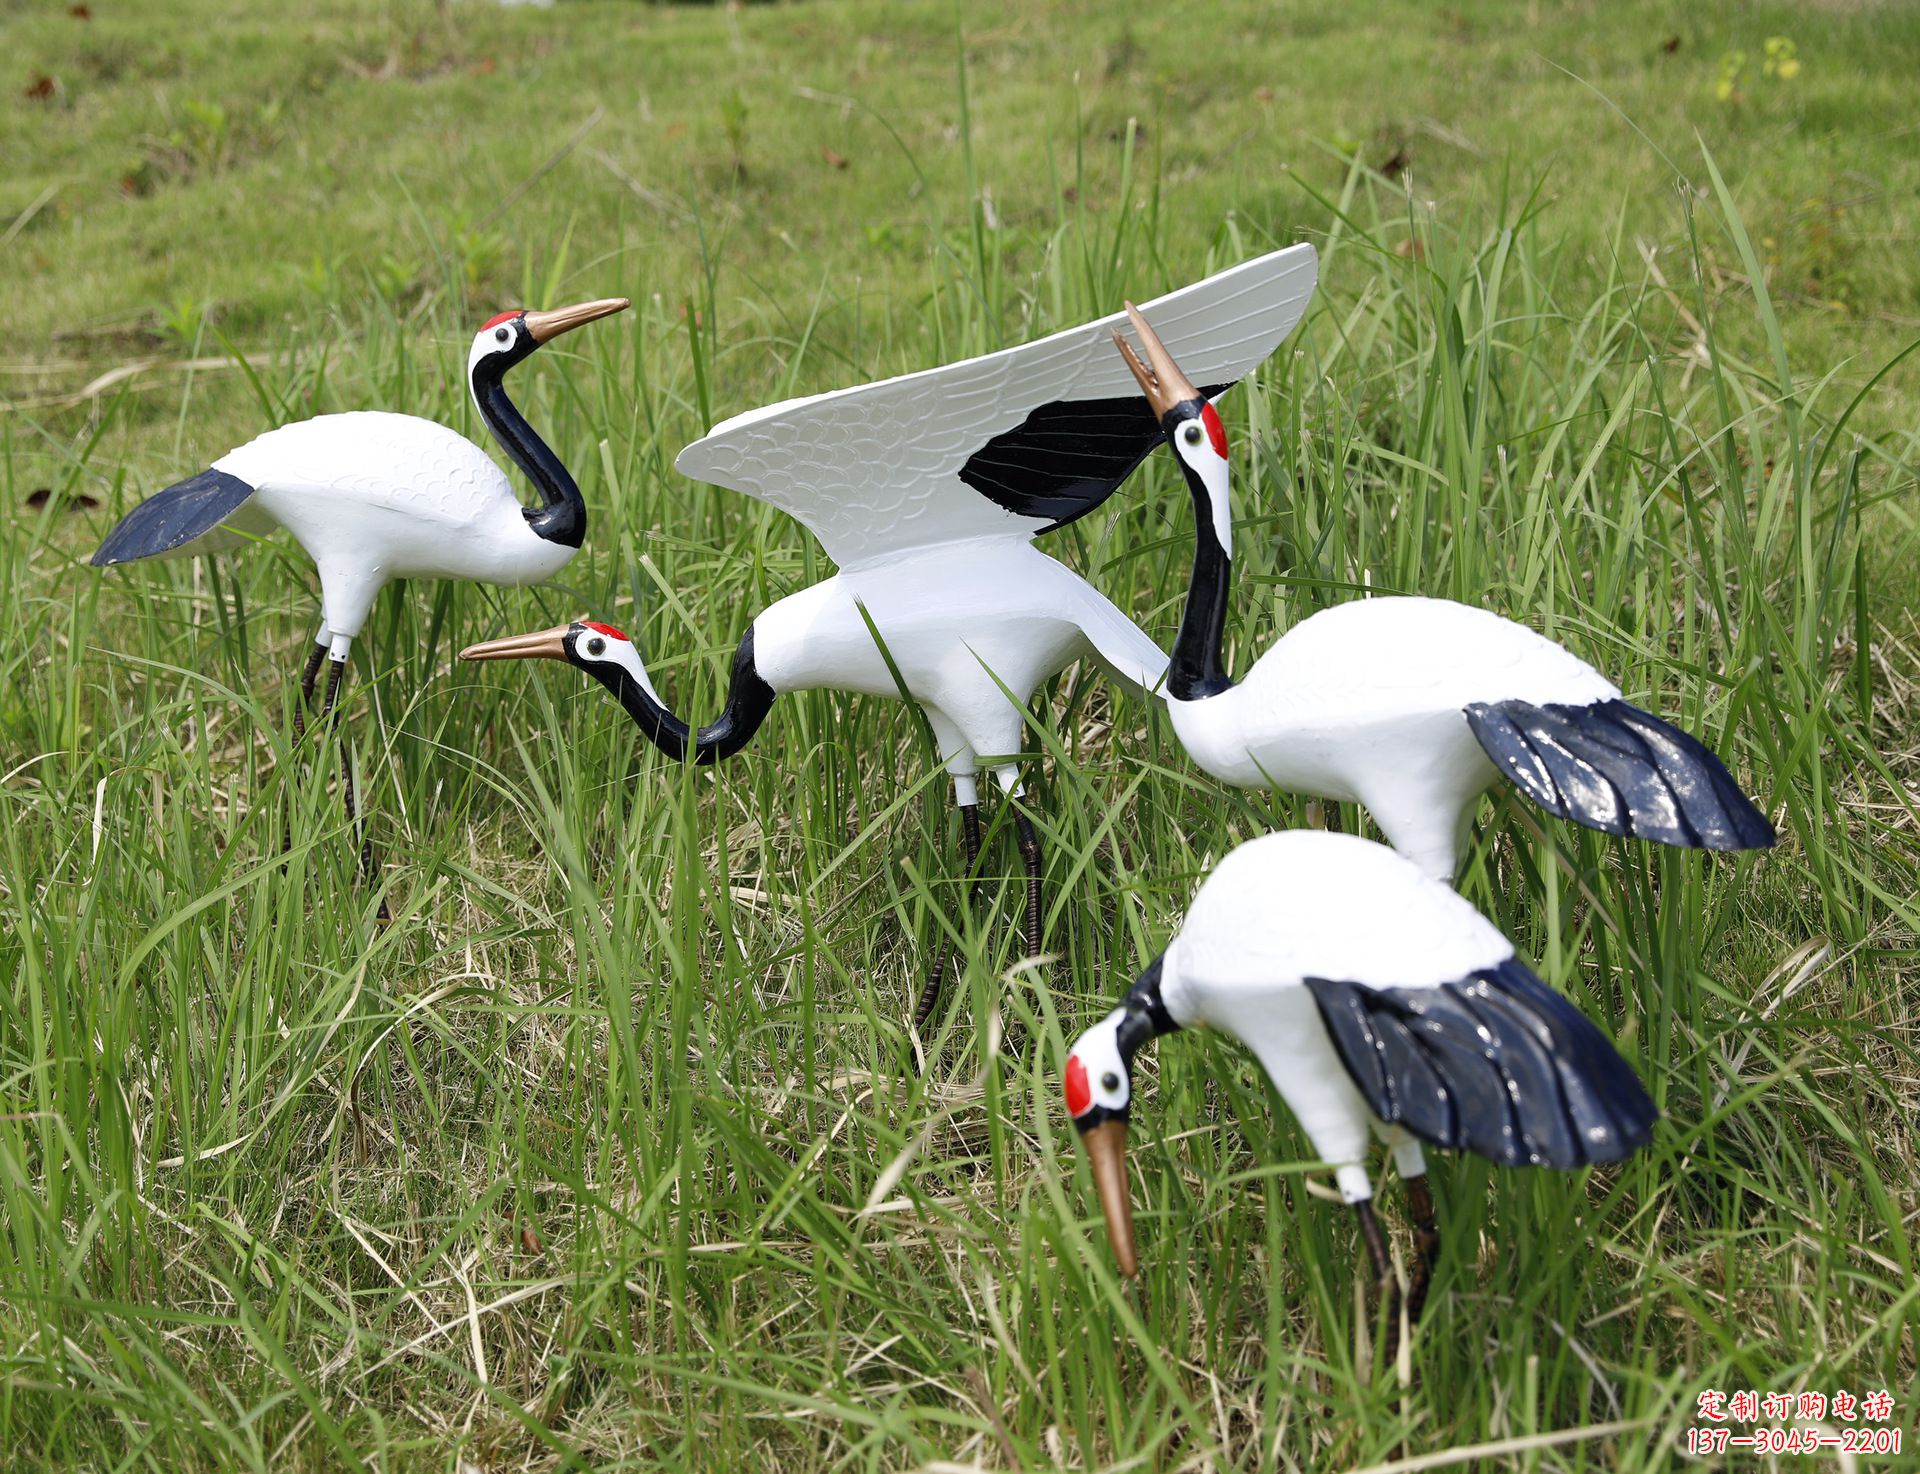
<point x="928" y="490"/>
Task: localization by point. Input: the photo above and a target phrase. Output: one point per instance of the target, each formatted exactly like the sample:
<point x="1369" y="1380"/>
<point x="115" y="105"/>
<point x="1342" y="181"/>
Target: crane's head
<point x="507" y="337"/>
<point x="600" y="650"/>
<point x="1098" y="1086"/>
<point x="1191" y="424"/>
<point x="1098" y="1083"/>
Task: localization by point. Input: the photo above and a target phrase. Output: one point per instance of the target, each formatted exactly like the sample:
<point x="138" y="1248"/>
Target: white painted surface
<point x="1304" y="903"/>
<point x="953" y="618"/>
<point x="874" y="470"/>
<point x="964" y="605"/>
<point x="373" y="497"/>
<point x="1365" y="703"/>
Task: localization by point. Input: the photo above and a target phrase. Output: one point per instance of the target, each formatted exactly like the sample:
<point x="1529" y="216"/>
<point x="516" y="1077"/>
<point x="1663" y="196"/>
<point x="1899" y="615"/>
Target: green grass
<point x="604" y="1154"/>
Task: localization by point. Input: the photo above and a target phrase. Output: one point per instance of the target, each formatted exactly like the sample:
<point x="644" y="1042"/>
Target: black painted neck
<point x="562" y="515"/>
<point x="749" y="699"/>
<point x="1146" y="1015"/>
<point x="1196" y="671"/>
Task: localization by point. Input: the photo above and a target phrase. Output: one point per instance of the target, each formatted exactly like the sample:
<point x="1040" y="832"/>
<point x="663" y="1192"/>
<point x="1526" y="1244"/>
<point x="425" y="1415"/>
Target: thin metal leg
<point x="936" y="977"/>
<point x="308" y="675"/>
<point x="1426" y="1243"/>
<point x="1030" y="857"/>
<point x="336" y="670"/>
<point x="329" y="710"/>
<point x="1385" y="1283"/>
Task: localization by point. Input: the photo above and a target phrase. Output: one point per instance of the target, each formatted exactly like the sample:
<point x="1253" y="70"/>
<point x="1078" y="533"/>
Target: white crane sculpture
<point x="1377" y="1001"/>
<point x="1413" y="706"/>
<point x="373" y="496"/>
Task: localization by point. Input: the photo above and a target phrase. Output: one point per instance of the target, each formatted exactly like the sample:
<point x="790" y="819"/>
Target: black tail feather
<point x="1497" y="1063"/>
<point x="1616" y="768"/>
<point x="172" y="518"/>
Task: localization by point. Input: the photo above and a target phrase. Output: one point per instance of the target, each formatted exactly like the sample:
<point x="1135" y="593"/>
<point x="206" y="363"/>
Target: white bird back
<point x="372" y="457"/>
<point x="1370" y="658"/>
<point x="1306" y="903"/>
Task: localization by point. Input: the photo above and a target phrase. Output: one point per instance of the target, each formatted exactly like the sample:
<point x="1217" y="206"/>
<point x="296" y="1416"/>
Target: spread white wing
<point x="1011" y="444"/>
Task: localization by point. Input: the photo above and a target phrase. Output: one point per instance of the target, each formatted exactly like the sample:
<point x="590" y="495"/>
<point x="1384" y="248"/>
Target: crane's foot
<point x="1426" y="1243"/>
<point x="1386" y="1284"/>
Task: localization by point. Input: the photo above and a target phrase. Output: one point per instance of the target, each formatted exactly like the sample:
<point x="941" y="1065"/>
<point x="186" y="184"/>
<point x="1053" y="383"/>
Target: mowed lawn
<point x="607" y="1152"/>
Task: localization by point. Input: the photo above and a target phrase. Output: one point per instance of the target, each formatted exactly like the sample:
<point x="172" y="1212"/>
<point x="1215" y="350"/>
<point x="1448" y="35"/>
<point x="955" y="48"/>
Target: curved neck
<point x="749" y="699"/>
<point x="561" y="516"/>
<point x="1195" y="671"/>
<point x="1146" y="1015"/>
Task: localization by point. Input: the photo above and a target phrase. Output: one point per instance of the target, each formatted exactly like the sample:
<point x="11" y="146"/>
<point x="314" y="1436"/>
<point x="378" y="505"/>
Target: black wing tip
<point x="1525" y="1078"/>
<point x="1067" y="457"/>
<point x="1588" y="1059"/>
<point x="169" y="519"/>
<point x="1613" y="767"/>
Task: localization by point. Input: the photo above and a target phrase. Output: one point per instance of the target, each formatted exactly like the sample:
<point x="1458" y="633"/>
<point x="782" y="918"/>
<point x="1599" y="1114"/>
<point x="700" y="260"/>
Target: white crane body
<point x="1366" y="703"/>
<point x="973" y="627"/>
<point x="1411" y="706"/>
<point x="1353" y="911"/>
<point x="1377" y="1001"/>
<point x="928" y="489"/>
<point x="373" y="496"/>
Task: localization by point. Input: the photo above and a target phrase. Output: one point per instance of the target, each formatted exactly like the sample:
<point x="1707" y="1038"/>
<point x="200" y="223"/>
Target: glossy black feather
<point x="1067" y="457"/>
<point x="1616" y="768"/>
<point x="172" y="518"/>
<point x="1497" y="1063"/>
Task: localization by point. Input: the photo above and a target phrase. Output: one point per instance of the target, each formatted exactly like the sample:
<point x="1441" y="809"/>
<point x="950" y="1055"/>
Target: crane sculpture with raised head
<point x="373" y="496"/>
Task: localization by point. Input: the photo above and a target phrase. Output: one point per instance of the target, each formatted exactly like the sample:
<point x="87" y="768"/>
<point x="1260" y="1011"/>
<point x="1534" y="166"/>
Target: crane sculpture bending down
<point x="928" y="490"/>
<point x="374" y="496"/>
<point x="1414" y="706"/>
<point x="1425" y="1028"/>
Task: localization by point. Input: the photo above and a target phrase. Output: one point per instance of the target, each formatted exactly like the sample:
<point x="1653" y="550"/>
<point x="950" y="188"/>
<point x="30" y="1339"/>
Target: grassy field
<point x="605" y="1154"/>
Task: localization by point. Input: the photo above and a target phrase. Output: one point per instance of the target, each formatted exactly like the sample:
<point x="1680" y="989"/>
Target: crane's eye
<point x="596" y="646"/>
<point x="500" y="335"/>
<point x="1192" y="432"/>
<point x="1110" y="1082"/>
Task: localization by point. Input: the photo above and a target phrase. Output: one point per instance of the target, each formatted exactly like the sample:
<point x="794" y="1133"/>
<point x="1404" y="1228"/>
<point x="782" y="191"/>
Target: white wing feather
<point x="874" y="470"/>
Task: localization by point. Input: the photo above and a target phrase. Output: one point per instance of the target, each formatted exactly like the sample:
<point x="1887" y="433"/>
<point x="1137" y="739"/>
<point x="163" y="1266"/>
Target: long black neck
<point x="1146" y="1015"/>
<point x="1195" y="672"/>
<point x="561" y="516"/>
<point x="749" y="699"/>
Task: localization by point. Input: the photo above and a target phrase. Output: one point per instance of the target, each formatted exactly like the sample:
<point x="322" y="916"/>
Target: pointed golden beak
<point x="546" y="326"/>
<point x="1106" y="1146"/>
<point x="543" y="645"/>
<point x="1159" y="377"/>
